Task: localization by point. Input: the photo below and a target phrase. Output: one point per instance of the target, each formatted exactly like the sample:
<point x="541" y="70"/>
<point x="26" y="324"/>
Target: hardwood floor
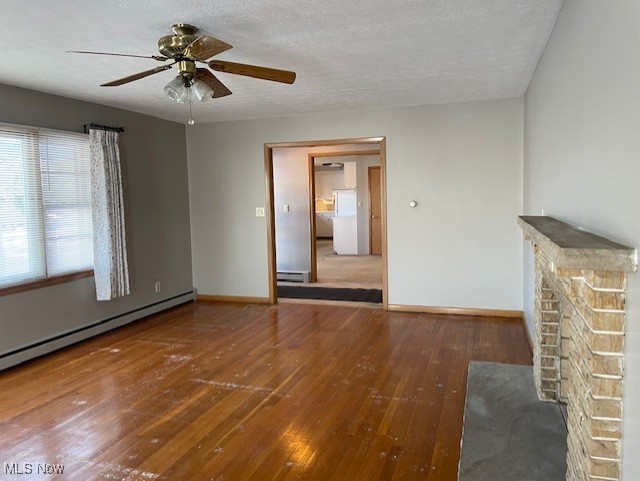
<point x="215" y="391"/>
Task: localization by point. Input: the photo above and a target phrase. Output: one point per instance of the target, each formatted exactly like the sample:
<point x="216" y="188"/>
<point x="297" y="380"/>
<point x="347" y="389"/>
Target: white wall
<point x="462" y="162"/>
<point x="582" y="151"/>
<point x="291" y="188"/>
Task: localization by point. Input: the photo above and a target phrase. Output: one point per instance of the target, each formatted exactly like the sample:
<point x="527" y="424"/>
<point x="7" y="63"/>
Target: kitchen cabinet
<point x="324" y="225"/>
<point x="350" y="175"/>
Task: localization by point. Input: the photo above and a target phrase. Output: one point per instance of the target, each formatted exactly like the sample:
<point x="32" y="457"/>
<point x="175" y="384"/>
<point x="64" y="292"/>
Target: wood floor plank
<point x="221" y="391"/>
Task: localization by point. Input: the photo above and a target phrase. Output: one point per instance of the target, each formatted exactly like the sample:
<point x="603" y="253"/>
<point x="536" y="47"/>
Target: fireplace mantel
<point x="578" y="355"/>
<point x="571" y="248"/>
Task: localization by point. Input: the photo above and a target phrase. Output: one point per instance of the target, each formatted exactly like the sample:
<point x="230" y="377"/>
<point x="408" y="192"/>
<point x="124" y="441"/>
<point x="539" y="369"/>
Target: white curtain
<point x="109" y="241"/>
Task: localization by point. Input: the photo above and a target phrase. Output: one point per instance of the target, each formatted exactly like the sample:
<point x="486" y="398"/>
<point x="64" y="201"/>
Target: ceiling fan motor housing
<point x="187" y="69"/>
<point x="173" y="46"/>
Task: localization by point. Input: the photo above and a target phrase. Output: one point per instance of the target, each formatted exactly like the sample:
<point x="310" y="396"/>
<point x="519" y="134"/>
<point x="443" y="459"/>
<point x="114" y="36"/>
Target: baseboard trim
<point x="241" y="299"/>
<point x="458" y="311"/>
<point x="46" y="346"/>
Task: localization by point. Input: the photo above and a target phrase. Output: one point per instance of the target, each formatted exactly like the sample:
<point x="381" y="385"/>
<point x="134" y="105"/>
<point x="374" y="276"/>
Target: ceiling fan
<point x="185" y="49"/>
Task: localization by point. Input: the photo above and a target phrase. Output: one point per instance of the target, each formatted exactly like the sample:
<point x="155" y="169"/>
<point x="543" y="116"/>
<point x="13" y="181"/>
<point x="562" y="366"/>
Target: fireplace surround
<point x="579" y="313"/>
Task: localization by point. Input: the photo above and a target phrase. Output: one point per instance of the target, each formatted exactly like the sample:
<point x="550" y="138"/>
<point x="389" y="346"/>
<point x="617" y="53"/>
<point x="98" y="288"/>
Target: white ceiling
<point x="348" y="54"/>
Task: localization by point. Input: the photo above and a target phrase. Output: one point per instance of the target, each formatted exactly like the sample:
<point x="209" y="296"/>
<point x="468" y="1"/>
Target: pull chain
<point x="191" y="121"/>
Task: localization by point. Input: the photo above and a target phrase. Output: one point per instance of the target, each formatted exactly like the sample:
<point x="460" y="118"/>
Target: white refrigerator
<point x="345" y="222"/>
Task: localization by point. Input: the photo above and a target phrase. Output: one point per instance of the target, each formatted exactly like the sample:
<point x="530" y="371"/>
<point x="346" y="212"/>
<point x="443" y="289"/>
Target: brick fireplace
<point x="579" y="311"/>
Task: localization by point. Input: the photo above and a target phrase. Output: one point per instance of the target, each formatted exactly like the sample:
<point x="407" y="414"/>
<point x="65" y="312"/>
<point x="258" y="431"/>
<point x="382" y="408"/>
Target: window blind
<point x="45" y="204"/>
<point x="66" y="198"/>
<point x="22" y="255"/>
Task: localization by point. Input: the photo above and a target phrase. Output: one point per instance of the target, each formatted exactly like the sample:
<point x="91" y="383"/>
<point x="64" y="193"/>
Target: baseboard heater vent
<point x="45" y="346"/>
<point x="293" y="276"/>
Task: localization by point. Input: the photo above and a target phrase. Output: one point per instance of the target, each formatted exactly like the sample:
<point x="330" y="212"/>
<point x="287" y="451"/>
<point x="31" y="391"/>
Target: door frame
<point x="270" y="207"/>
<point x="313" y="275"/>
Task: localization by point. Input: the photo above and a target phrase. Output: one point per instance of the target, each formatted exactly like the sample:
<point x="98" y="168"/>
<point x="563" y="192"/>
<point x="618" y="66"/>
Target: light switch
<point x="286" y="207"/>
<point x="259" y="211"/>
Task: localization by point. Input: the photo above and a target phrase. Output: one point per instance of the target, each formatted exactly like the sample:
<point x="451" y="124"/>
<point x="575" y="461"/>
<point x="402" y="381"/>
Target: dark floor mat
<point x="331" y="293"/>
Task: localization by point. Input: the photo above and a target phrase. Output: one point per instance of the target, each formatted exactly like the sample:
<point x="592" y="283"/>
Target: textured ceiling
<point x="348" y="54"/>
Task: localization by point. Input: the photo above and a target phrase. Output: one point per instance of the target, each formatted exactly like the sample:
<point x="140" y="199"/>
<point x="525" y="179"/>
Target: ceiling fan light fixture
<point x="202" y="91"/>
<point x="177" y="91"/>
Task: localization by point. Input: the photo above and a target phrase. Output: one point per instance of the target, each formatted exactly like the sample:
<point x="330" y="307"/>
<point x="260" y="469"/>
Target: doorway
<point x="340" y="190"/>
<point x="325" y="160"/>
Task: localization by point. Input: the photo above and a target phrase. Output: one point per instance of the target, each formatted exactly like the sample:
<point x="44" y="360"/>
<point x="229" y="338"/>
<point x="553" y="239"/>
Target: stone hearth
<point x="580" y="289"/>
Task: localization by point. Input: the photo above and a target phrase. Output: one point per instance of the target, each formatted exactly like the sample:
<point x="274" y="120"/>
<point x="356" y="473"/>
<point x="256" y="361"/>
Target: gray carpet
<point x="508" y="434"/>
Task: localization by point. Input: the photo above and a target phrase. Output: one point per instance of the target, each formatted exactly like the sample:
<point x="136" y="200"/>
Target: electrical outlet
<point x="157" y="287"/>
<point x="259" y="211"/>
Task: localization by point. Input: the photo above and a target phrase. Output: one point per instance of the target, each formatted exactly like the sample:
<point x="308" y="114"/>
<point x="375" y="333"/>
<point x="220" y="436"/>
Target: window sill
<point x="51" y="281"/>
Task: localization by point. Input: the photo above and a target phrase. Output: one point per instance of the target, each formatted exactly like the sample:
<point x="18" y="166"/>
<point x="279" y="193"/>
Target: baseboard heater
<point x="45" y="346"/>
<point x="293" y="276"/>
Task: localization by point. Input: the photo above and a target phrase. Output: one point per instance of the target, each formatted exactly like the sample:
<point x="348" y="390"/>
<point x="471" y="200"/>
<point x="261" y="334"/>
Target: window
<point x="45" y="204"/>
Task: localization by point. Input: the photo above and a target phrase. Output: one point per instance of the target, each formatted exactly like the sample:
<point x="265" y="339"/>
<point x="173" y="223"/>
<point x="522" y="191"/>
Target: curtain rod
<point x="101" y="127"/>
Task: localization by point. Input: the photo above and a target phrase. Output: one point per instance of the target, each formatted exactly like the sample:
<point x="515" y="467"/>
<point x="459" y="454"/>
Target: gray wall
<point x="462" y="162"/>
<point x="582" y="144"/>
<point x="157" y="219"/>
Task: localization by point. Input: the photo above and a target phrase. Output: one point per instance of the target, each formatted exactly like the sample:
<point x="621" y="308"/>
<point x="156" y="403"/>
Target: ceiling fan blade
<point x="136" y="76"/>
<point x="219" y="89"/>
<point x="205" y="47"/>
<point x="154" y="57"/>
<point x="264" y="73"/>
